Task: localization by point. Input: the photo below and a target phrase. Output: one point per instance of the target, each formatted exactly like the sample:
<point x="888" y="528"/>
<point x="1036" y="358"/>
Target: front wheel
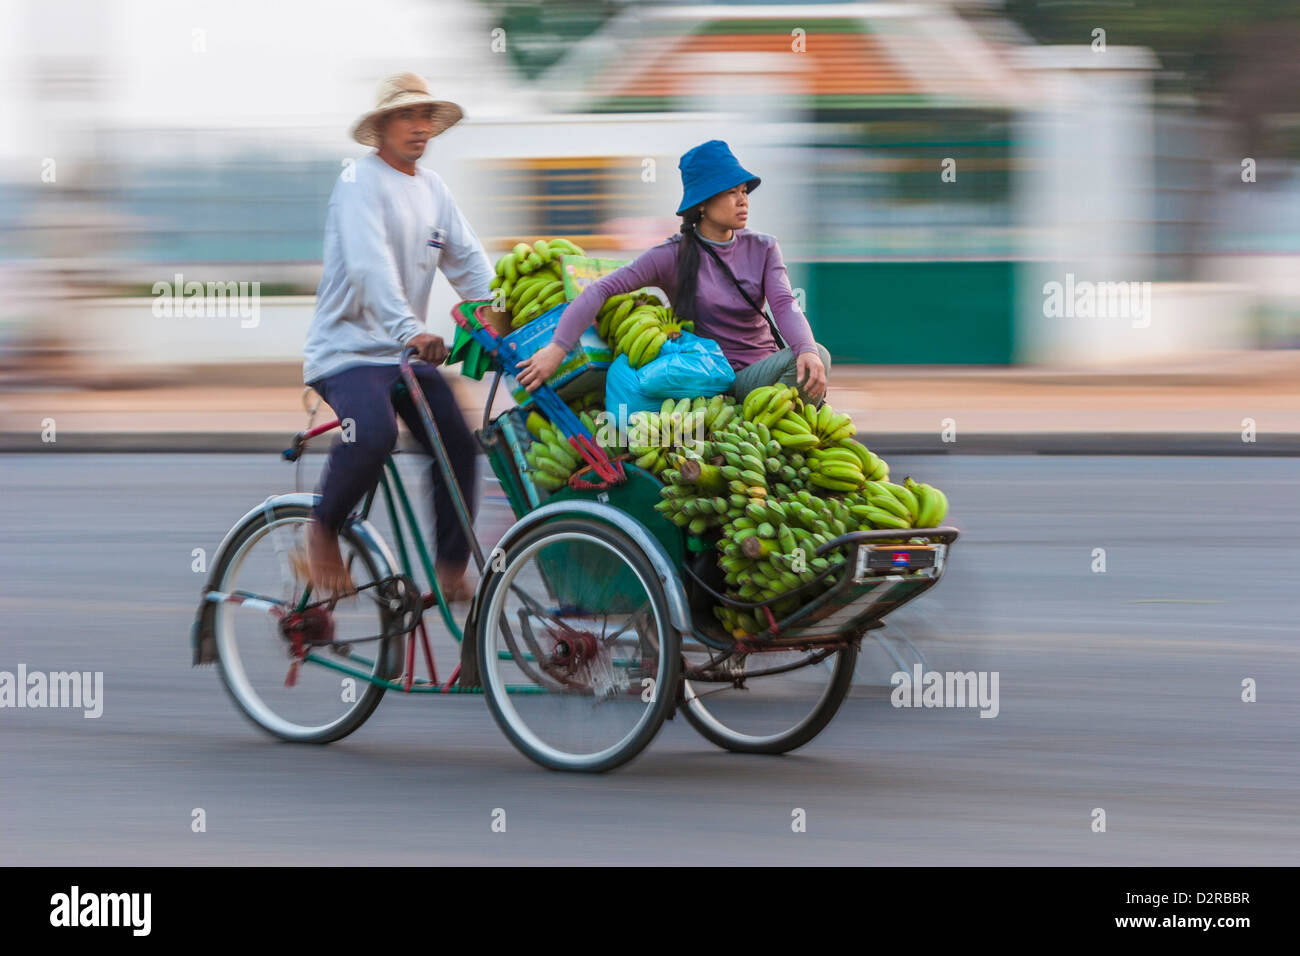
<point x="577" y="655"/>
<point x="322" y="702"/>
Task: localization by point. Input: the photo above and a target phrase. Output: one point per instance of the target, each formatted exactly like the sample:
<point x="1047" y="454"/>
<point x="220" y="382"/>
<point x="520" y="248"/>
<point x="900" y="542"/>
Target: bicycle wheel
<point x="578" y="659"/>
<point x="255" y="652"/>
<point x="768" y="703"/>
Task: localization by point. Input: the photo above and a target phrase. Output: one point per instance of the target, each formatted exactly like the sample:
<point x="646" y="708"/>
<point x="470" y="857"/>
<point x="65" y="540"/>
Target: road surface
<point x="1119" y="690"/>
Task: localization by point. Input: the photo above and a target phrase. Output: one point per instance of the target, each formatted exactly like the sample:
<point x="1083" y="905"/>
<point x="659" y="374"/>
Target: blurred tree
<point x="1239" y="58"/>
<point x="539" y="33"/>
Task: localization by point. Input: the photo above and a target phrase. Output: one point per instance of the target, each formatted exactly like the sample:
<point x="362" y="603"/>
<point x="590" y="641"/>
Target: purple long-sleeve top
<point x="722" y="313"/>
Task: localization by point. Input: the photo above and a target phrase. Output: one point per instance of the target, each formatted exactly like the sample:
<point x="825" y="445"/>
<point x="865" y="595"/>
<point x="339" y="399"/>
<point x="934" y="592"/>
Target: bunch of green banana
<point x="932" y="504"/>
<point x="588" y="401"/>
<point x="550" y="456"/>
<point x="681" y="505"/>
<point x="769" y="551"/>
<point x="769" y="404"/>
<point x="529" y="279"/>
<point x="656" y="459"/>
<point x="700" y="417"/>
<point x="675" y="425"/>
<point x="638" y="329"/>
<point x="718" y="412"/>
<point x="827" y="424"/>
<point x="589" y="407"/>
<point x="746" y="452"/>
<point x="837" y="468"/>
<point x="793" y="432"/>
<point x="621" y="306"/>
<point x="885" y="504"/>
<point x="713" y="413"/>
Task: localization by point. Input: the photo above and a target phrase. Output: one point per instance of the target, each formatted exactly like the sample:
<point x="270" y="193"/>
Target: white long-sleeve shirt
<point x="386" y="233"/>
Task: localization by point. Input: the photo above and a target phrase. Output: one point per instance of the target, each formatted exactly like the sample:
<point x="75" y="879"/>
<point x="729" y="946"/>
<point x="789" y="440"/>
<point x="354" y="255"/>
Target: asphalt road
<point x="1118" y="690"/>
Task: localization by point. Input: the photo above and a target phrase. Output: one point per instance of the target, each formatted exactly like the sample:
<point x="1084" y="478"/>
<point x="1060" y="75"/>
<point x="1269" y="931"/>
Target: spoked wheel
<point x="578" y="659"/>
<point x="254" y="639"/>
<point x="768" y="703"/>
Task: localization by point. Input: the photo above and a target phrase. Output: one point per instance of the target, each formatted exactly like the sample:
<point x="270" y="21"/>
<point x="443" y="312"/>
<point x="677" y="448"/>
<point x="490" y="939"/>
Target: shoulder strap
<point x="776" y="333"/>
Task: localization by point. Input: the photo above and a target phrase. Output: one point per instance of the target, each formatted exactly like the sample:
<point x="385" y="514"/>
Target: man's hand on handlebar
<point x="430" y="348"/>
<point x="535" y="370"/>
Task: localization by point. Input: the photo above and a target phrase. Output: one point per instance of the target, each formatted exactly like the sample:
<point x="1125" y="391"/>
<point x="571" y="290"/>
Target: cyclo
<point x="591" y="623"/>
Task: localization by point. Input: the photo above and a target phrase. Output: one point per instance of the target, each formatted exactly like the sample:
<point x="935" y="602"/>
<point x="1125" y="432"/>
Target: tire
<point x="660" y="629"/>
<point x="238" y="683"/>
<point x="717" y="732"/>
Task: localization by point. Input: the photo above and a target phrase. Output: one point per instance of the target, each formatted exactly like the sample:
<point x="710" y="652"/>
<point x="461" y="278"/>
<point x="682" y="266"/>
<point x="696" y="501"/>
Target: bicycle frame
<point x="404" y="522"/>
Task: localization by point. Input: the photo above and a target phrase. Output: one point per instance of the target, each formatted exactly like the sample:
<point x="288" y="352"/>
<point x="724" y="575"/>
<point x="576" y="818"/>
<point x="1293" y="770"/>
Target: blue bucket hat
<point x="709" y="169"/>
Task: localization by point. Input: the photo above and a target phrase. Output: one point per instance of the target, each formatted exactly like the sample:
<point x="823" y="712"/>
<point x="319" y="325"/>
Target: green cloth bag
<point x="474" y="359"/>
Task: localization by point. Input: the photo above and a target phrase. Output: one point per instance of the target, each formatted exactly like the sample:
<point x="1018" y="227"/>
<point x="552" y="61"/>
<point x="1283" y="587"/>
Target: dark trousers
<point x="363" y="394"/>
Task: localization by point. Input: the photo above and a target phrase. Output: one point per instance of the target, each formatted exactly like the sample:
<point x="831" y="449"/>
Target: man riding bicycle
<point x="390" y="226"/>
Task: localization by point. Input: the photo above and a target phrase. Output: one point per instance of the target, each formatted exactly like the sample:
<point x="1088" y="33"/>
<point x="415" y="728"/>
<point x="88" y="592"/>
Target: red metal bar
<point x="596" y="457"/>
<point x="320" y="429"/>
<point x="428" y="653"/>
<point x="455" y="676"/>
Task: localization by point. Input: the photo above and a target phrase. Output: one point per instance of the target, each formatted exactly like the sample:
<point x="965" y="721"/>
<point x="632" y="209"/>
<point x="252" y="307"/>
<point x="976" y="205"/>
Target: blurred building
<point x="928" y="172"/>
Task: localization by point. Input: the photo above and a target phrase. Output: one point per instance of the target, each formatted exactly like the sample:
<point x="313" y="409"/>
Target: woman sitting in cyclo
<point x="705" y="264"/>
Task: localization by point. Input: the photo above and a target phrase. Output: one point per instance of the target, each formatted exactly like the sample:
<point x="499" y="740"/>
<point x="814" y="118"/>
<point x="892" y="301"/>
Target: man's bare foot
<point x="325" y="569"/>
<point x="452" y="583"/>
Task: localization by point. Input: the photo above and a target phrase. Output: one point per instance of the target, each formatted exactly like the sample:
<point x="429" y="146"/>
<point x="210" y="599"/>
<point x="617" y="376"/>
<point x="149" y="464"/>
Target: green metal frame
<point x="390" y="481"/>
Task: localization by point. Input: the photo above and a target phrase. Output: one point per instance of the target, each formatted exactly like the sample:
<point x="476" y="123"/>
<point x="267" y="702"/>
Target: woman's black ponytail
<point x="688" y="264"/>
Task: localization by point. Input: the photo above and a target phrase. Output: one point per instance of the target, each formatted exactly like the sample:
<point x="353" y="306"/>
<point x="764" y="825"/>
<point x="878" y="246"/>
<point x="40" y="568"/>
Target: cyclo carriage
<point x="592" y="621"/>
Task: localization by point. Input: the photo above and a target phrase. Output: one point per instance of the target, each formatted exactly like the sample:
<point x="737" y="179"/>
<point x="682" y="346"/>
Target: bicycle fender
<point x="679" y="612"/>
<point x="203" y="638"/>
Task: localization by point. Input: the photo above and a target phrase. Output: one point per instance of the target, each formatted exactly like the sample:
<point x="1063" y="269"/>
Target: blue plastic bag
<point x="688" y="366"/>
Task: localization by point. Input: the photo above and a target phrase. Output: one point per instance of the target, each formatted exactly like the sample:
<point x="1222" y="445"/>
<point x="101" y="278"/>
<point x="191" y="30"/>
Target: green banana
<point x="904" y="495"/>
<point x="553" y="467"/>
<point x="753" y="400"/>
<point x="883" y="519"/>
<point x="832" y="484"/>
<point x="637" y="345"/>
<point x="652" y="350"/>
<point x="629" y="332"/>
<point x="888" y="503"/>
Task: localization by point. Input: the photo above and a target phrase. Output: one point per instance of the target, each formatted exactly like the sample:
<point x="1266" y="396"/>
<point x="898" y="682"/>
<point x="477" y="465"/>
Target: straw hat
<point x="396" y="92"/>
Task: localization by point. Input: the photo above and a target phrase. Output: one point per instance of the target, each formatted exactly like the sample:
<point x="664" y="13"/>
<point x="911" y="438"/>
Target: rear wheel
<point x="577" y="655"/>
<point x="768" y="703"/>
<point x="256" y="654"/>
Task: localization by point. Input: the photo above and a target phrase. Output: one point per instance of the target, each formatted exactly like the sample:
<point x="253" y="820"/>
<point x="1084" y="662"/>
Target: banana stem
<point x="758" y="547"/>
<point x="704" y="476"/>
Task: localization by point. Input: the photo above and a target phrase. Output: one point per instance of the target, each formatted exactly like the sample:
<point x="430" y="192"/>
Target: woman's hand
<point x="810" y="374"/>
<point x="536" y="370"/>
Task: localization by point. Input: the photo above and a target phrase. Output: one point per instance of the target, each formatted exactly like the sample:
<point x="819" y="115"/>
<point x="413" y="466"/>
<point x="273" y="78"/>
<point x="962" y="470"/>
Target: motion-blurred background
<point x="929" y="171"/>
<point x="1117" y="142"/>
